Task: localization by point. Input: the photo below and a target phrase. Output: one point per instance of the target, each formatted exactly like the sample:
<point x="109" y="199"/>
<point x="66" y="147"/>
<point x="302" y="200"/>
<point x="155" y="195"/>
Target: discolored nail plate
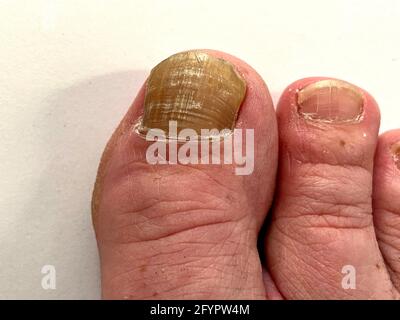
<point x="396" y="153"/>
<point x="330" y="101"/>
<point x="196" y="90"/>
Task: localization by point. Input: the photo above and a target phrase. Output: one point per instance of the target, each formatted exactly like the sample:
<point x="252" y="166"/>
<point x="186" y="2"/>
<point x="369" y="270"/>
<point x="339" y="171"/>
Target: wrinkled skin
<point x="191" y="231"/>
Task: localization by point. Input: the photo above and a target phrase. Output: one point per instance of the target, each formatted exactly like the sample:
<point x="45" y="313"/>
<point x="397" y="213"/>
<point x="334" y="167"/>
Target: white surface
<point x="70" y="69"/>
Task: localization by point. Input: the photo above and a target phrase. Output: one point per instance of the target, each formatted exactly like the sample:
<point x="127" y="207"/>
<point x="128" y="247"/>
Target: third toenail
<point x="396" y="153"/>
<point x="195" y="89"/>
<point x="330" y="101"/>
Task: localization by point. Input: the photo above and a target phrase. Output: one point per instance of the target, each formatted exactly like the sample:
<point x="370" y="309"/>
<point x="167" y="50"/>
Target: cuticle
<point x="142" y="131"/>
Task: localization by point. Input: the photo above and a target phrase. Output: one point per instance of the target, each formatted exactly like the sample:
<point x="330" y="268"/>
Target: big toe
<point x="167" y="225"/>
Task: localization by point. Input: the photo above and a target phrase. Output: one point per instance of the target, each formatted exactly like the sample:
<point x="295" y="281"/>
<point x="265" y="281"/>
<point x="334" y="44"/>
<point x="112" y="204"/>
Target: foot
<point x="190" y="231"/>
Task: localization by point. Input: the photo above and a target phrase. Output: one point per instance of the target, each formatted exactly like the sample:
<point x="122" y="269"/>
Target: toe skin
<point x="387" y="201"/>
<point x="322" y="220"/>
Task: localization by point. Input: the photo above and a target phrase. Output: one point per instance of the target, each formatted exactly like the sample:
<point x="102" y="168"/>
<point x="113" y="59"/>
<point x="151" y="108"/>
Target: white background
<point x="70" y="69"/>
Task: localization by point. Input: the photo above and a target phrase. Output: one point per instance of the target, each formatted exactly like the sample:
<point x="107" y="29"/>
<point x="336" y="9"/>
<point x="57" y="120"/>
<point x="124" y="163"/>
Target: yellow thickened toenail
<point x="196" y="90"/>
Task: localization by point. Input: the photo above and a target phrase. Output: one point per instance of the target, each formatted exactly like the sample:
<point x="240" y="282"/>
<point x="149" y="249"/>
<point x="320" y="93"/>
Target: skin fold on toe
<point x="186" y="230"/>
<point x="322" y="226"/>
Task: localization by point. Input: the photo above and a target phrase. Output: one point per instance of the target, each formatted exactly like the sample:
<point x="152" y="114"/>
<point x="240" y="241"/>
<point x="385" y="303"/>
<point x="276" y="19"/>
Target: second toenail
<point x="330" y="101"/>
<point x="396" y="153"/>
<point x="195" y="89"/>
